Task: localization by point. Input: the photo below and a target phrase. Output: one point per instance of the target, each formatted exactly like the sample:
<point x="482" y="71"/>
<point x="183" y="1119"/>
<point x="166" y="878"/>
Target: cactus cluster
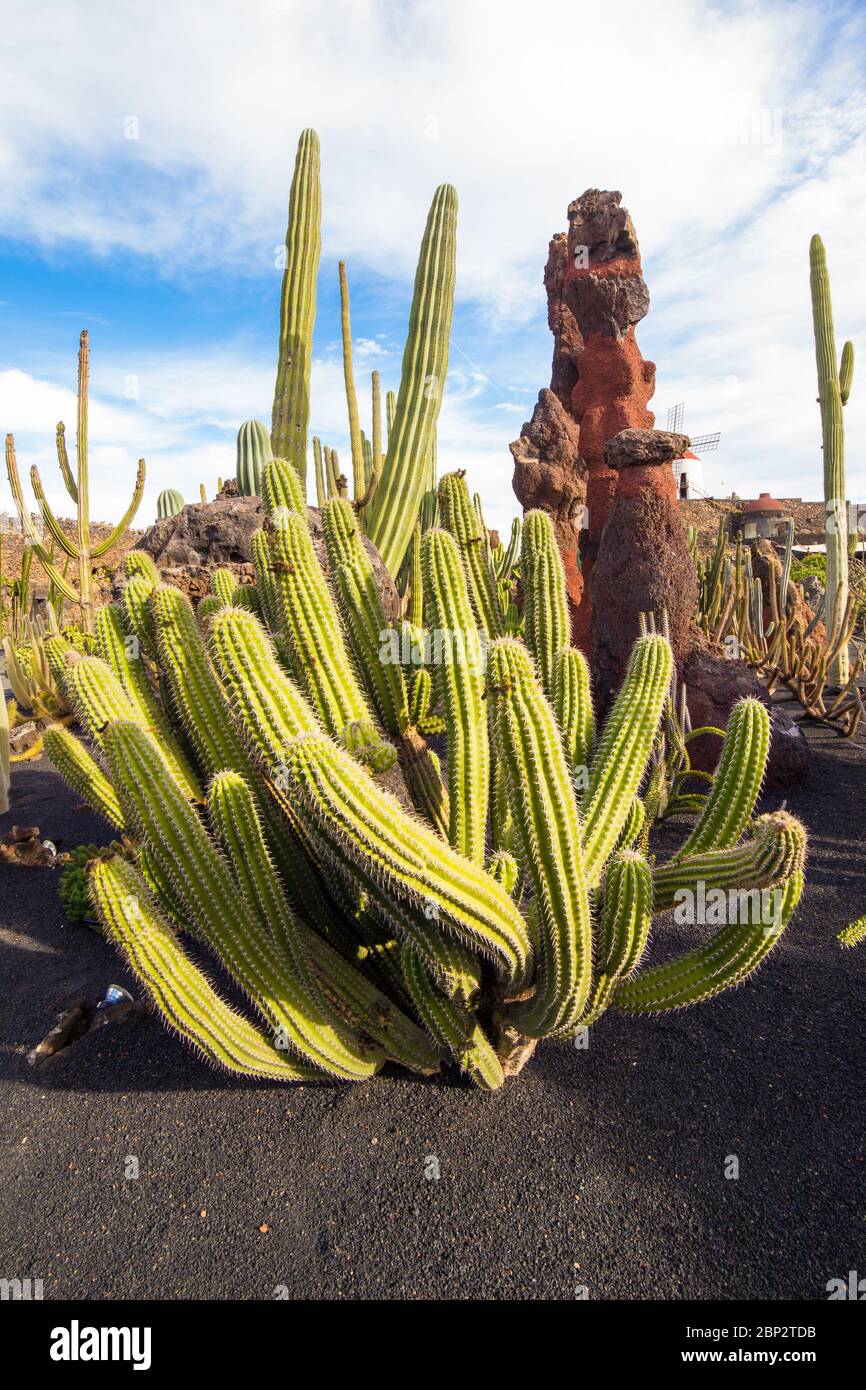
<point x="266" y="767"/>
<point x="770" y="633"/>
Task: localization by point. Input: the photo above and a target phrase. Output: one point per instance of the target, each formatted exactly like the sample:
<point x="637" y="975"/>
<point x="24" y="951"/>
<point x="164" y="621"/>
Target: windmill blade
<point x="704" y="443"/>
<point x="675" y="417"/>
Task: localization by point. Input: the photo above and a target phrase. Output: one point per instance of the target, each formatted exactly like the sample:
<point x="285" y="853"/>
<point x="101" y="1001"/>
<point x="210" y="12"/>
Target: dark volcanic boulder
<point x="213" y="535"/>
<point x="713" y="685"/>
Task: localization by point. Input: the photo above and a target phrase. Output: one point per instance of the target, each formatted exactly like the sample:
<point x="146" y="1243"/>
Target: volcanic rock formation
<point x="596" y="294"/>
<point x="643" y="563"/>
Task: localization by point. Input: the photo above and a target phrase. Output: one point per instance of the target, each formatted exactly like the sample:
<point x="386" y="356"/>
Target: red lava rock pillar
<point x="596" y="294"/>
<point x="643" y="563"/>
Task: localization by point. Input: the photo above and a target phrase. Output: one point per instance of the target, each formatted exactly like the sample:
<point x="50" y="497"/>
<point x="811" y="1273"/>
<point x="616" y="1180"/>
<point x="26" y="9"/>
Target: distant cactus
<point x="82" y="549"/>
<point x="254" y="451"/>
<point x="169" y="502"/>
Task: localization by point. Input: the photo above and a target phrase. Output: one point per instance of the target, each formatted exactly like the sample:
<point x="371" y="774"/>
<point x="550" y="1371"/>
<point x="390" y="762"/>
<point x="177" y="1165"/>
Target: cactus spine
<point x="391" y="516"/>
<point x="253" y="453"/>
<point x="833" y="390"/>
<point x="291" y="411"/>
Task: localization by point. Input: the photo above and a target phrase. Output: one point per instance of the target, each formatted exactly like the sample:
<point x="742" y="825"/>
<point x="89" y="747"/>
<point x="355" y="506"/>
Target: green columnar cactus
<point x="321" y="487"/>
<point x="134" y="600"/>
<point x="341" y="916"/>
<point x="528" y="746"/>
<point x="281" y="490"/>
<point x="572" y="701"/>
<point x="310" y="621"/>
<point x="178" y="989"/>
<point x="291" y="411"/>
<point x="451" y="1024"/>
<point x="417" y="873"/>
<point x="122" y="654"/>
<point x="364" y="620"/>
<point x="774" y="851"/>
<point x="222" y="586"/>
<point x="81" y="771"/>
<point x="253" y="452"/>
<point x="261" y="555"/>
<point x="737" y="780"/>
<point x="82" y="549"/>
<point x="548" y="625"/>
<point x="623" y="751"/>
<point x="459" y="676"/>
<point x="137" y="564"/>
<point x="732" y="953"/>
<point x="833" y="390"/>
<point x="391" y="516"/>
<point x="355" y="432"/>
<point x="623" y="928"/>
<point x="461" y="518"/>
<point x="169" y="503"/>
<point x="154" y="808"/>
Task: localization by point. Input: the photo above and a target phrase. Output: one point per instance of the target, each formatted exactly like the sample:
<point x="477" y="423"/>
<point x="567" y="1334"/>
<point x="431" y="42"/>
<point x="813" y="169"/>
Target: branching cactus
<point x="81" y="549"/>
<point x="264" y="764"/>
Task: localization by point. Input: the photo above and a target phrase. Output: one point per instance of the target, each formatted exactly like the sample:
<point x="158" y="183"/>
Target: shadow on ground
<point x="600" y="1169"/>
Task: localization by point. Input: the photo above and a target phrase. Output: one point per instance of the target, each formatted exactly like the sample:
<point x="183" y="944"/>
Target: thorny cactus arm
<point x="363" y="615"/>
<point x="184" y="997"/>
<point x="113" y="648"/>
<point x="412" y="865"/>
<point x="737" y="781"/>
<point x="527" y="744"/>
<point x="727" y="959"/>
<point x="155" y="809"/>
<point x="623" y="751"/>
<point x="572" y="703"/>
<point x="548" y="625"/>
<point x="460" y="679"/>
<point x="775" y="850"/>
<point x="390" y="519"/>
<point x="451" y="1024"/>
<point x="282" y="490"/>
<point x="623" y="928"/>
<point x="83" y="774"/>
<point x="310" y="621"/>
<point x="461" y="518"/>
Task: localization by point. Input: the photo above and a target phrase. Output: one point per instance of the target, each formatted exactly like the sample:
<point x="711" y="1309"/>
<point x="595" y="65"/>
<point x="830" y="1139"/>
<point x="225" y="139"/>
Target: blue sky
<point x="733" y="131"/>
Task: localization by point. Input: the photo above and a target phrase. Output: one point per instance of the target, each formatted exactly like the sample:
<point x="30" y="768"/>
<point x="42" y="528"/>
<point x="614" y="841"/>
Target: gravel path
<point x="600" y="1168"/>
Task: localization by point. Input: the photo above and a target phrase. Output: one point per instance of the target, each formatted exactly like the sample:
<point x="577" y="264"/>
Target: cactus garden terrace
<point x="395" y="907"/>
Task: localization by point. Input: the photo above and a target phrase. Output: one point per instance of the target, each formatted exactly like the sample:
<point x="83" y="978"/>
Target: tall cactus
<point x="82" y="549"/>
<point x="834" y="386"/>
<point x="405" y="473"/>
<point x="291" y="411"/>
<point x="253" y="453"/>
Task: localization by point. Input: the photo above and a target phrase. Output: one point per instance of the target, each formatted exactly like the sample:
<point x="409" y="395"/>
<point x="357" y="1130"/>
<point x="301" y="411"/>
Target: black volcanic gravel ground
<point x="601" y="1168"/>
